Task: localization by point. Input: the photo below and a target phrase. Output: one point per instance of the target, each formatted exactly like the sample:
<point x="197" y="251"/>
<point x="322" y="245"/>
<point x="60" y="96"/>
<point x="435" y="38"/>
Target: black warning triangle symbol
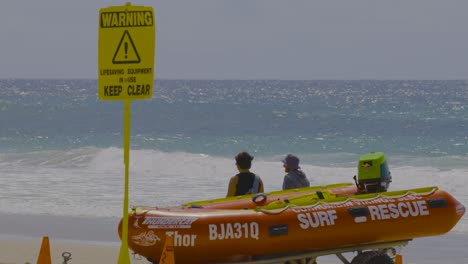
<point x="126" y="51"/>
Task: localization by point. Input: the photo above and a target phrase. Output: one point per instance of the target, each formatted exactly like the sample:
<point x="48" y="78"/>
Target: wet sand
<point x="21" y="251"/>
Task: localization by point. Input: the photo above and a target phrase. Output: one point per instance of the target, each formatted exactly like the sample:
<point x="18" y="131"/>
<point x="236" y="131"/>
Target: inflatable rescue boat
<point x="321" y="221"/>
<point x="306" y="224"/>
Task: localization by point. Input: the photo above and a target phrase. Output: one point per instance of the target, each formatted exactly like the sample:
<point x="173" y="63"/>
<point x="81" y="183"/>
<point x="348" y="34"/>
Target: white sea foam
<point x="89" y="181"/>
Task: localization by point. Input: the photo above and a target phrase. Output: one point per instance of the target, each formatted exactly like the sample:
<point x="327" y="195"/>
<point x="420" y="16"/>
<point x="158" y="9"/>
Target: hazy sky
<point x="249" y="39"/>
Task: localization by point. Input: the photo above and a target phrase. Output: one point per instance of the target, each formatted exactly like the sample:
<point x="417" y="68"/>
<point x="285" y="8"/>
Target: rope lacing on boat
<point x="349" y="199"/>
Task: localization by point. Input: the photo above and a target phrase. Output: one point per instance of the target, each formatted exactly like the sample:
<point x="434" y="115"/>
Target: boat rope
<point x="349" y="199"/>
<point x="381" y="195"/>
<point x="274" y="211"/>
<point x="434" y="189"/>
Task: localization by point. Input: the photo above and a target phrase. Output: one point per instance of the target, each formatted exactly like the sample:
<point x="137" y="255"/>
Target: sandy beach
<point x="450" y="248"/>
<point x="22" y="251"/>
<point x="26" y="251"/>
<point x="88" y="240"/>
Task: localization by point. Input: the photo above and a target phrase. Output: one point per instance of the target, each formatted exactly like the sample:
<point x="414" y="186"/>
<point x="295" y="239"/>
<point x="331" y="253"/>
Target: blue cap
<point x="291" y="161"/>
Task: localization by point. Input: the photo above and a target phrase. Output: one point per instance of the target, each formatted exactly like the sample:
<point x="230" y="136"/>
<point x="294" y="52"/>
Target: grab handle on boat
<point x="259" y="199"/>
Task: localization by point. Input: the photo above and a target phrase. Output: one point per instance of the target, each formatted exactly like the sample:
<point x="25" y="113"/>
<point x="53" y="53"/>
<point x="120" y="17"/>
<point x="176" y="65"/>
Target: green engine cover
<point x="372" y="166"/>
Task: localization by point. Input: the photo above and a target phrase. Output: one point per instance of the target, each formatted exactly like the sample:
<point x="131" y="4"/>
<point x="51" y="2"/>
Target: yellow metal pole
<point x="124" y="256"/>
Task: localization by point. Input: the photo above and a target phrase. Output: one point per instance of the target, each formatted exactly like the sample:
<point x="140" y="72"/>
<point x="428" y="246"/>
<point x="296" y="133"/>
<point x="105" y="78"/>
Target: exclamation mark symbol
<point x="126" y="49"/>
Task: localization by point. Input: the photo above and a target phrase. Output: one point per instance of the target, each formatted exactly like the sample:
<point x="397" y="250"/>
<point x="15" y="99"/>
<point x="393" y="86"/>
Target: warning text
<point x="126" y="19"/>
<point x="132" y="90"/>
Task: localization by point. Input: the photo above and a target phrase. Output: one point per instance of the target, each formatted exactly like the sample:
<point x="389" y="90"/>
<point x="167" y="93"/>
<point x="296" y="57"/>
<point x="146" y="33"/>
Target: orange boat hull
<point x="209" y="235"/>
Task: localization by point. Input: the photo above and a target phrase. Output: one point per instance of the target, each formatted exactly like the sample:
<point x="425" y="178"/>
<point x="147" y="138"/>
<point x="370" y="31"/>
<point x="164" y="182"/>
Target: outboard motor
<point x="373" y="173"/>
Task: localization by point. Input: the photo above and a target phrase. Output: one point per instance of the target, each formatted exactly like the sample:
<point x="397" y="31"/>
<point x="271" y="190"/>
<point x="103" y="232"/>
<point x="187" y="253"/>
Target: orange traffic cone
<point x="398" y="259"/>
<point x="167" y="256"/>
<point x="44" y="253"/>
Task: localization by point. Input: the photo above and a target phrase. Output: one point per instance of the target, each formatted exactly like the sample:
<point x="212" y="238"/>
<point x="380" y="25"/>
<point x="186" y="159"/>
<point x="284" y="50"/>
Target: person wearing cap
<point x="295" y="177"/>
<point x="245" y="182"/>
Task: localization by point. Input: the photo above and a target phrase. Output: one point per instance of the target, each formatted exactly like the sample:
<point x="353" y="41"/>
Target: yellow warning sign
<point x="126" y="52"/>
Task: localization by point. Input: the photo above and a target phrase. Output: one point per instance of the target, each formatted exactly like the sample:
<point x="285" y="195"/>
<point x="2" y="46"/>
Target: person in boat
<point x="245" y="182"/>
<point x="295" y="177"/>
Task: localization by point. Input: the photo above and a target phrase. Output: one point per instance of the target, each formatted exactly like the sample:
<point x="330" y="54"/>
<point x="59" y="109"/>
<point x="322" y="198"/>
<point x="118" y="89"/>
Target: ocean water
<point x="61" y="148"/>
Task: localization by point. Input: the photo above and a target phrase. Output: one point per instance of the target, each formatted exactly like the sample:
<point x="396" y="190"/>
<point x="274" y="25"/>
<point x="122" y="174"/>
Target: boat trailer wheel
<point x="372" y="257"/>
